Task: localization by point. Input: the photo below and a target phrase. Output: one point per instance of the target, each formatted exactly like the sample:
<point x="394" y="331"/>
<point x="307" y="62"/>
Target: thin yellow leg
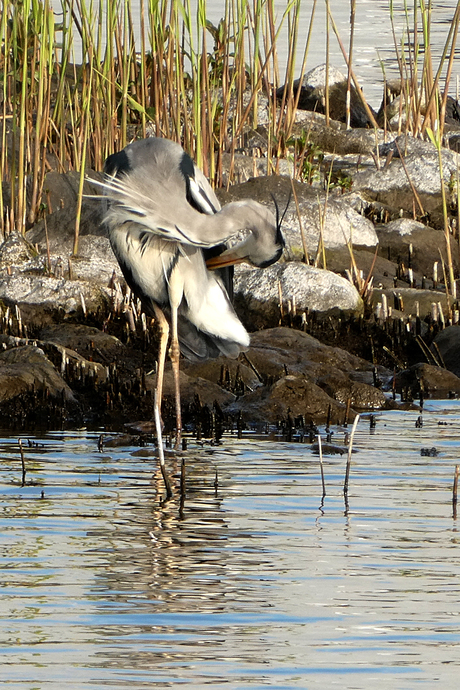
<point x="164" y="334"/>
<point x="174" y="354"/>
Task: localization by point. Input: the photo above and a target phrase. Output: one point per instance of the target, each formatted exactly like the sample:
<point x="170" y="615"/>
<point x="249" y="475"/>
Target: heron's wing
<point x="197" y="346"/>
<point x="163" y="209"/>
<point x="202" y="193"/>
<point x="131" y="204"/>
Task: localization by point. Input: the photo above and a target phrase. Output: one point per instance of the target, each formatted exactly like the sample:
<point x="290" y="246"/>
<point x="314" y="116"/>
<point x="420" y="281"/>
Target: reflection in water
<point x="258" y="582"/>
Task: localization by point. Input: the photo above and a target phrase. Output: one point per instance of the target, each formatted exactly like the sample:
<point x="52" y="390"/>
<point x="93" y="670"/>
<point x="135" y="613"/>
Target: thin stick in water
<point x="182" y="489"/>
<point x="454" y="493"/>
<point x="320" y="448"/>
<point x="350" y="447"/>
<point x="23" y="463"/>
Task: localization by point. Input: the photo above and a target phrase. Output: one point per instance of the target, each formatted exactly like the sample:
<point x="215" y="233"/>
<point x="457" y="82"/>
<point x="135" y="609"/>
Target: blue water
<point x="254" y="584"/>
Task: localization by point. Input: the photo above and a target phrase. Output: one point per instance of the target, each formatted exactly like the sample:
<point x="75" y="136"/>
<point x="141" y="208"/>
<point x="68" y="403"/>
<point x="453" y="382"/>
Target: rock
<point x="341" y="223"/>
<point x="338" y="260"/>
<point x="313" y="95"/>
<point x="394" y="106"/>
<point x="314" y="376"/>
<point x="447" y="345"/>
<point x="71" y="365"/>
<point x="276" y="352"/>
<point x="190" y="387"/>
<point x="15" y="251"/>
<point x="27" y="369"/>
<point x="429" y="452"/>
<point x="118" y="441"/>
<point x="293" y="395"/>
<point x="60" y="197"/>
<point x="257" y="293"/>
<point x="434" y="382"/>
<point x="230" y="374"/>
<point x="40" y="295"/>
<point x="309" y="130"/>
<point x="428" y="244"/>
<point x="244" y="167"/>
<point x="362" y="396"/>
<point x="88" y="341"/>
<point x="60" y="190"/>
<point x="409" y="301"/>
<point x="95" y="261"/>
<point x="336" y="138"/>
<point x="328" y="449"/>
<point x="393" y="183"/>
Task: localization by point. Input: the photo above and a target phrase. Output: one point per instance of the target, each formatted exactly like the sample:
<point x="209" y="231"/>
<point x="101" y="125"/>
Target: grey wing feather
<point x="203" y="193"/>
<point x="130" y="203"/>
<point x="164" y="213"/>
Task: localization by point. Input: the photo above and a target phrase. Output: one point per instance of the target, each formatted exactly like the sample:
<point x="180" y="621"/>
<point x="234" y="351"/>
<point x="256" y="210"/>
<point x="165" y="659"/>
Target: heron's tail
<point x="197" y="345"/>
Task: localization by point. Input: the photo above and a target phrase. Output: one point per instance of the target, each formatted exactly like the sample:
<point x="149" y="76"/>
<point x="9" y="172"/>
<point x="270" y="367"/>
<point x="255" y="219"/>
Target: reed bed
<point x="79" y="81"/>
<point x="423" y="91"/>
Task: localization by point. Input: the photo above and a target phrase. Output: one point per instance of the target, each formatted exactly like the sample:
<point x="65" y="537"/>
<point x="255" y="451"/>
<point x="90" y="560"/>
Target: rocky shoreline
<point x="356" y="313"/>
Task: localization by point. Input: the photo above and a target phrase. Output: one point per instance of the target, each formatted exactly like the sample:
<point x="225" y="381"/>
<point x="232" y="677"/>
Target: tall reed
<point x="423" y="92"/>
<point x="79" y="83"/>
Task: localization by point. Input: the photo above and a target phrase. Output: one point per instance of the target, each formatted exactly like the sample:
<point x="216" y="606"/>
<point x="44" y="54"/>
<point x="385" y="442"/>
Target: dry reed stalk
<point x="182" y="482"/>
<point x="350" y="62"/>
<point x="436" y="112"/>
<point x="414" y="191"/>
<point x="326" y="81"/>
<point x="353" y="76"/>
<point x="306" y="258"/>
<point x="289" y="118"/>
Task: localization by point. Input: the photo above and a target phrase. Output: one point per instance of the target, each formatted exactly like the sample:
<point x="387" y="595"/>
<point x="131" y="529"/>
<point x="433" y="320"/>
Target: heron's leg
<point x="174" y="354"/>
<point x="164" y="334"/>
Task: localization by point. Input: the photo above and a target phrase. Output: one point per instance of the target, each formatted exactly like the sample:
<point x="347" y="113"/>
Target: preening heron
<point x="164" y="221"/>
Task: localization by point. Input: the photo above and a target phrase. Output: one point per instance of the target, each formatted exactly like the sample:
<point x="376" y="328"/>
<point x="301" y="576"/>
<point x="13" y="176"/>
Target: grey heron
<point x="163" y="219"/>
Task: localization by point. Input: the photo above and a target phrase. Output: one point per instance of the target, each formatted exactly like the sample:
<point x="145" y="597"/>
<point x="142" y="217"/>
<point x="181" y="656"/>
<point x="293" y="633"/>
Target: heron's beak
<point x="225" y="259"/>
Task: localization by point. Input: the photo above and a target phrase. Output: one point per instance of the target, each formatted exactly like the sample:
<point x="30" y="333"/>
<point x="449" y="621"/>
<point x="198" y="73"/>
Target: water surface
<point x="373" y="42"/>
<point x="253" y="583"/>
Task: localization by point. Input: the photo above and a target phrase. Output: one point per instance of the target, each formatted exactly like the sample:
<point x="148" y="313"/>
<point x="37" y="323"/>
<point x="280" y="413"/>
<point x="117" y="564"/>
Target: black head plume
<point x="280" y="218"/>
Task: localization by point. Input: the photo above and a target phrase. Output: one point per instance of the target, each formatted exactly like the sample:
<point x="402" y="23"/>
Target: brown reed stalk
<point x="359" y="91"/>
<point x="326" y="81"/>
<point x="306" y="258"/>
<point x="350" y="61"/>
<point x="290" y="115"/>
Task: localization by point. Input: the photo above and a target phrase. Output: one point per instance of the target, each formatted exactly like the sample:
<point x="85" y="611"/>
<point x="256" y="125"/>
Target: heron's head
<point x="263" y="244"/>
